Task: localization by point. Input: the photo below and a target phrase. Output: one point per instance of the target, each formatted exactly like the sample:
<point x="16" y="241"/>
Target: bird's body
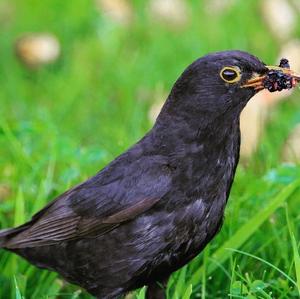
<point x="156" y="206"/>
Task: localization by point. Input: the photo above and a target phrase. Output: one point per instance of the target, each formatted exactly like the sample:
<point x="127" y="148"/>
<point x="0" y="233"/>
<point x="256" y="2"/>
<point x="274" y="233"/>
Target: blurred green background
<point x="61" y="122"/>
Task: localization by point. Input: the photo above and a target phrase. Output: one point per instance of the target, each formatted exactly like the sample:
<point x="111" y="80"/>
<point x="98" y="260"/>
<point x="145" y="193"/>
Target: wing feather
<point x="52" y="230"/>
<point x="118" y="194"/>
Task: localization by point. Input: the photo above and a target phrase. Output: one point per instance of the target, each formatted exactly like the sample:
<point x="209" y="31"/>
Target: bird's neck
<point x="177" y="132"/>
<point x="207" y="156"/>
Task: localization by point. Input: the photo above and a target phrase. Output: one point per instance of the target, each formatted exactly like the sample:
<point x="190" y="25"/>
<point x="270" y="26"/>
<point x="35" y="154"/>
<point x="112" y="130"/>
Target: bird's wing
<point x="114" y="196"/>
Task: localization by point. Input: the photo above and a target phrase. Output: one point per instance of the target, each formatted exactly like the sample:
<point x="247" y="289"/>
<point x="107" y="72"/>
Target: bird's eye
<point x="230" y="74"/>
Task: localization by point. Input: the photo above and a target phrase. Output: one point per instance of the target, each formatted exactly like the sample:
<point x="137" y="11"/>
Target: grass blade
<point x="295" y="250"/>
<point x="17" y="290"/>
<point x="296" y="261"/>
<point x="265" y="262"/>
<point x="188" y="292"/>
<point x="16" y="146"/>
<point x="180" y="284"/>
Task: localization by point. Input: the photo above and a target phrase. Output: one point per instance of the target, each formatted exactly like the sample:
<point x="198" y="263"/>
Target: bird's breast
<point x="205" y="183"/>
<point x="192" y="228"/>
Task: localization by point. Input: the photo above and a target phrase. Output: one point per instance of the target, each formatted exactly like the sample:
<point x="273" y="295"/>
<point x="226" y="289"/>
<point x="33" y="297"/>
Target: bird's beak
<point x="257" y="80"/>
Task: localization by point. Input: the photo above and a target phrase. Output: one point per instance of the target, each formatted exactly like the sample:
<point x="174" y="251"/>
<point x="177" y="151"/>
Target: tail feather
<point x="3" y="236"/>
<point x="8" y="233"/>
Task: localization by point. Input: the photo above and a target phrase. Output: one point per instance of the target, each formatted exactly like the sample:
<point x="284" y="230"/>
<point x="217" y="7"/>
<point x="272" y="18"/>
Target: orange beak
<point x="257" y="82"/>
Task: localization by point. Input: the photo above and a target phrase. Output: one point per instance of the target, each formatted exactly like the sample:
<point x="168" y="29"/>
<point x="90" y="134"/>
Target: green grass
<point x="62" y="123"/>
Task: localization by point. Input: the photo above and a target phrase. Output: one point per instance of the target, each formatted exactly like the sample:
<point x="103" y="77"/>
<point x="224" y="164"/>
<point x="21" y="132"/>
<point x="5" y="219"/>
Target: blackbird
<point x="157" y="205"/>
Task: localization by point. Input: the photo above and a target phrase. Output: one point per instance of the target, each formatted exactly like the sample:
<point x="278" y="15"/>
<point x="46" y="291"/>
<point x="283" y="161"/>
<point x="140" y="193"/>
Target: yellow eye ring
<point x="230" y="74"/>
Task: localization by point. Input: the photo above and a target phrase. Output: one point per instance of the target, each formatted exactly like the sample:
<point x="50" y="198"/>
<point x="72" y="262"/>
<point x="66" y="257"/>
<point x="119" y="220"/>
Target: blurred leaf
<point x="188" y="292"/>
<point x="238" y="288"/>
<point x="257" y="285"/>
<point x="19" y="208"/>
<point x="141" y="293"/>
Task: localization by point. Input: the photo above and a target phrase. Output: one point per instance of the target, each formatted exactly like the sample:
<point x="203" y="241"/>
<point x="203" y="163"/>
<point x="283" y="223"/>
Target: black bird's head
<point x="216" y="85"/>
